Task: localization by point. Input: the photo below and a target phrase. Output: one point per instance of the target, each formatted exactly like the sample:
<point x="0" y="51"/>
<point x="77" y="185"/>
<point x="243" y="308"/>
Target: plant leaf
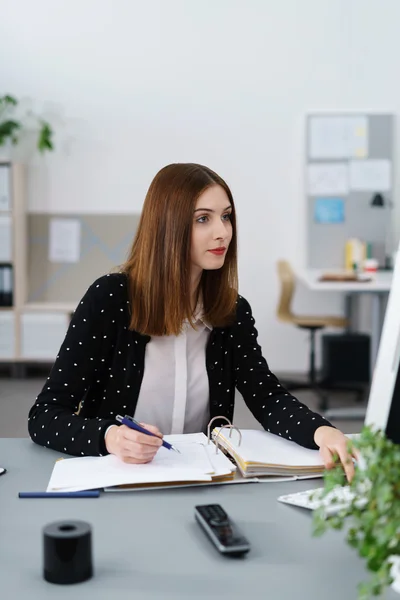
<point x="8" y="130"/>
<point x="374" y="530"/>
<point x="45" y="137"/>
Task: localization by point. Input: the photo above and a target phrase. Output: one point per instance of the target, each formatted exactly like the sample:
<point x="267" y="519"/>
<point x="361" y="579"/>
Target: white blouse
<point x="174" y="394"/>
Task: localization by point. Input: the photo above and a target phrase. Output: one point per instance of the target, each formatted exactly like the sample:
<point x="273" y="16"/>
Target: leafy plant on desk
<point x="372" y="519"/>
<point x="11" y="127"/>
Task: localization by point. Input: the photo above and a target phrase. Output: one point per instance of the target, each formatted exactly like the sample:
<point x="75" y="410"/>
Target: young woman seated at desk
<point x="168" y="339"/>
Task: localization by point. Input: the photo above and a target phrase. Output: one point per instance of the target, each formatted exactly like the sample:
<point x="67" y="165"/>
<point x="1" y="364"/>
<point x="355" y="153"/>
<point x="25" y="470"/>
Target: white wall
<point x="132" y="85"/>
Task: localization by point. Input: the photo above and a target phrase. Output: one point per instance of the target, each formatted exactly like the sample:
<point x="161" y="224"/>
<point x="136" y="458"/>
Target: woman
<point x="168" y="339"/>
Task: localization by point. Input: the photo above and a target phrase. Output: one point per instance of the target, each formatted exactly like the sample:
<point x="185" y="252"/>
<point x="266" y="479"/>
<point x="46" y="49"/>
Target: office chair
<point x="312" y="324"/>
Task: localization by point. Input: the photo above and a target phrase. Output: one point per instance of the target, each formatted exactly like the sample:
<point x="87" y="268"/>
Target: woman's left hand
<point x="332" y="442"/>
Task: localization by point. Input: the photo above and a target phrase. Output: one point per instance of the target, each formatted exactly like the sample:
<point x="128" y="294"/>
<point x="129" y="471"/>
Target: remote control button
<point x="218" y="522"/>
<point x="219" y="511"/>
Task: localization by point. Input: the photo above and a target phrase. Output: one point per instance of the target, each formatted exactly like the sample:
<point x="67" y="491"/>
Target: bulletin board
<point x="349" y="162"/>
<point x="96" y="244"/>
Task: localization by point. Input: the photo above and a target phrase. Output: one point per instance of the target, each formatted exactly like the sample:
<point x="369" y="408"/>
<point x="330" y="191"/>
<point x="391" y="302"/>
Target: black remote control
<point x="221" y="530"/>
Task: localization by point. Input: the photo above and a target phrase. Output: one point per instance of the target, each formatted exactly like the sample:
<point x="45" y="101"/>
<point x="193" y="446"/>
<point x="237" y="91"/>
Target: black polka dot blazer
<point x="100" y="366"/>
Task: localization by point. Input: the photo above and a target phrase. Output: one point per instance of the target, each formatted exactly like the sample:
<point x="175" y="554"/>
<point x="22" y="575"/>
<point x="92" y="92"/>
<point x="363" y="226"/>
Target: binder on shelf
<point x="5" y="238"/>
<point x="6" y="285"/>
<point x="5" y="187"/>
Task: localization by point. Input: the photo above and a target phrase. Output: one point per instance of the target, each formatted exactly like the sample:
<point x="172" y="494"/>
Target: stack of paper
<point x="261" y="453"/>
<point x="197" y="462"/>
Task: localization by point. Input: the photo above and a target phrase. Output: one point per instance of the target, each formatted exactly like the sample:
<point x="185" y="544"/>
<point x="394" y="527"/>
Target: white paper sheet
<point x="328" y="179"/>
<point x="5" y="238"/>
<point x="267" y="448"/>
<point x="5" y="191"/>
<point x="64" y="240"/>
<point x="74" y="474"/>
<point x="220" y="463"/>
<point x="372" y="175"/>
<point x="338" y="137"/>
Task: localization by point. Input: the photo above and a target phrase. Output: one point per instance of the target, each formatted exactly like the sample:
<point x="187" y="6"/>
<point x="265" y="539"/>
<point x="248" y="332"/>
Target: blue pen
<point x="132" y="424"/>
<point x="83" y="494"/>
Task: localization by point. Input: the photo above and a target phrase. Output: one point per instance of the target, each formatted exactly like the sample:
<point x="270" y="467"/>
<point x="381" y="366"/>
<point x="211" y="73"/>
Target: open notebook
<point x="259" y="453"/>
<point x="260" y="456"/>
<point x="197" y="463"/>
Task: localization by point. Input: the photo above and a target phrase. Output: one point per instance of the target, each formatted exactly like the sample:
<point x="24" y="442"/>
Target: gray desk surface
<point x="148" y="545"/>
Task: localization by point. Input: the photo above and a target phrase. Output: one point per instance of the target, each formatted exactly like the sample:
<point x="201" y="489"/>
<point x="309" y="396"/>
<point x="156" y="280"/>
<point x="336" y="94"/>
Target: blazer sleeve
<point x="53" y="421"/>
<point x="272" y="405"/>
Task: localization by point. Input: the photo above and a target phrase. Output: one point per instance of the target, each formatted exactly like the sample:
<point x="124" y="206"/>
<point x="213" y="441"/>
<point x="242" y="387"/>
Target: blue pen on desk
<point x="82" y="494"/>
<point x="132" y="424"/>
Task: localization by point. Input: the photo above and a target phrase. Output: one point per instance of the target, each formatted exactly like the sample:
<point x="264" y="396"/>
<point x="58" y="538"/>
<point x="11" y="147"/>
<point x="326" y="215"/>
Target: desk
<point x="379" y="289"/>
<point x="285" y="562"/>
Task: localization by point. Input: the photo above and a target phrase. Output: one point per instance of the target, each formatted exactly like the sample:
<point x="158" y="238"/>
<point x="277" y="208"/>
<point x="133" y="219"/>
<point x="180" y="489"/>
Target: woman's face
<point x="211" y="230"/>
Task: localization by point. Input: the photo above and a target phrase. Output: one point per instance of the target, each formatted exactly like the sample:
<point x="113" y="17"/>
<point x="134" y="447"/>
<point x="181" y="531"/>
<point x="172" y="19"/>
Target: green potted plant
<point x="12" y="125"/>
<point x="372" y="519"/>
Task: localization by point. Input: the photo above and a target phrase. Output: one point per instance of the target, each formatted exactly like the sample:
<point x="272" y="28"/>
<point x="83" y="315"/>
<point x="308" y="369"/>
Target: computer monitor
<point x="383" y="409"/>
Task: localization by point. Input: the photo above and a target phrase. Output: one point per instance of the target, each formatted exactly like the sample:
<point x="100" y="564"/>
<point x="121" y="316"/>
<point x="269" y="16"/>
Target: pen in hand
<point x="132" y="424"/>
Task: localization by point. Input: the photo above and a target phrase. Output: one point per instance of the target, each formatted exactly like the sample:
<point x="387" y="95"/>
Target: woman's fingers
<point x="345" y="458"/>
<point x="152" y="428"/>
<point x="140" y="438"/>
<point x="327" y="457"/>
<point x="132" y="446"/>
<point x="135" y="461"/>
<point x="347" y="462"/>
<point x="137" y="449"/>
<point x="137" y="446"/>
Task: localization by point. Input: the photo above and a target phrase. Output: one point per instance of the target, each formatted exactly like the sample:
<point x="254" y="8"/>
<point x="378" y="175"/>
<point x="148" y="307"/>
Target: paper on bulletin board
<point x="328" y="179"/>
<point x="338" y="137"/>
<point x="370" y="175"/>
<point x="357" y="128"/>
<point x="329" y="210"/>
<point x="5" y="239"/>
<point x="64" y="240"/>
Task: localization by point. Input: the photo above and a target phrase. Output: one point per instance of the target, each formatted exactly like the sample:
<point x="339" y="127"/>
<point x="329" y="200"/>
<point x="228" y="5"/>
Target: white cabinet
<point x="42" y="334"/>
<point x="7" y="334"/>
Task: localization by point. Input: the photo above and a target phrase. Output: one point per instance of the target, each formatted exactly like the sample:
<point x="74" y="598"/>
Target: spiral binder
<point x="263" y="454"/>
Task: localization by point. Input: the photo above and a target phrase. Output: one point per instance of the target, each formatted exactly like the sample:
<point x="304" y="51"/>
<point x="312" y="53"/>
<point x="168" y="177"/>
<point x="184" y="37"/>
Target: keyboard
<point x="310" y="499"/>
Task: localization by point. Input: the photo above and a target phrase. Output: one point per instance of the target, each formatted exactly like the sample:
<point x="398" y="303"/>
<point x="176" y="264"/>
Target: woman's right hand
<point x="132" y="446"/>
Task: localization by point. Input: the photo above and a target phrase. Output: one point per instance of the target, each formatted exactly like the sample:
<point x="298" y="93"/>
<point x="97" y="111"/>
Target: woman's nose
<point x="219" y="230"/>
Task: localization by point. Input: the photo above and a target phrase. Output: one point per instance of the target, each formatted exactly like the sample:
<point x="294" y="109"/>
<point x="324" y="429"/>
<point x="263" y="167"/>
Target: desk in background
<point x="378" y="288"/>
<point x="148" y="544"/>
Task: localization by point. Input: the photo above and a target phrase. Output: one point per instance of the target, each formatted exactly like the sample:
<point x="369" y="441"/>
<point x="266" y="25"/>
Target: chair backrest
<point x="287" y="279"/>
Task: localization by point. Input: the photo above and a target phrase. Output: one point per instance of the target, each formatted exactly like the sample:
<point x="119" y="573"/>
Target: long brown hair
<point x="159" y="263"/>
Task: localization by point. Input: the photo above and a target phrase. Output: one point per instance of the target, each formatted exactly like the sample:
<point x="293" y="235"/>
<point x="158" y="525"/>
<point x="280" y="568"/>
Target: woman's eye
<point x="205" y="218"/>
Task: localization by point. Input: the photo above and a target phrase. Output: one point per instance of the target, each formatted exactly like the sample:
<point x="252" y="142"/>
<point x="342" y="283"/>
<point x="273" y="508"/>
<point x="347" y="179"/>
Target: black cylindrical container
<point x="67" y="552"/>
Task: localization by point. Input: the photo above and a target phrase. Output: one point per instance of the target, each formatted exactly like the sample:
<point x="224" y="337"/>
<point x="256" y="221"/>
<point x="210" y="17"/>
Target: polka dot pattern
<point x="98" y="374"/>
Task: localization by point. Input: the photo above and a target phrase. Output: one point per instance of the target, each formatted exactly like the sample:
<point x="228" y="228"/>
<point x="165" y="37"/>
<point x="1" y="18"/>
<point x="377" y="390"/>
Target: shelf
<point x="27" y="329"/>
<point x="68" y="307"/>
<point x="29" y="361"/>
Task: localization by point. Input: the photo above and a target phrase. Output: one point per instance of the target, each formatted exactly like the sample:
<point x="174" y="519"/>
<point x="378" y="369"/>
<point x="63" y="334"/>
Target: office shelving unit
<point x="29" y="332"/>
